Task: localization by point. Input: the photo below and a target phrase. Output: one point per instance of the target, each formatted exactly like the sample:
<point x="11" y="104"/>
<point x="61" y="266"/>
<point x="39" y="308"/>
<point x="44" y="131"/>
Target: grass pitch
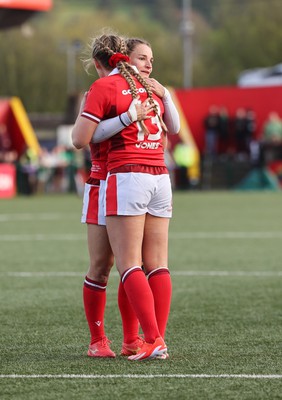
<point x="224" y="331"/>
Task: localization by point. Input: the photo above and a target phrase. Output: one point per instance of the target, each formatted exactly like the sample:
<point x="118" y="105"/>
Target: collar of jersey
<point x="116" y="71"/>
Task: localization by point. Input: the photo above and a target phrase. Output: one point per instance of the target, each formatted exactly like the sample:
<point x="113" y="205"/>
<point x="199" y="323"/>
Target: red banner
<point x="7" y="180"/>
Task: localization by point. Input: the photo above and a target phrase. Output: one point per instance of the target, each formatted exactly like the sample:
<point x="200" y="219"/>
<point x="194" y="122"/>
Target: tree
<point x="35" y="64"/>
<point x="235" y="35"/>
<point x="248" y="35"/>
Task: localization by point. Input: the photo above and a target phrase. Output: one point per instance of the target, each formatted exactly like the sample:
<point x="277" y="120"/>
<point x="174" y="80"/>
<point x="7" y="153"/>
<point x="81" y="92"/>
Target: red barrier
<point x="196" y="103"/>
<point x="7" y="180"/>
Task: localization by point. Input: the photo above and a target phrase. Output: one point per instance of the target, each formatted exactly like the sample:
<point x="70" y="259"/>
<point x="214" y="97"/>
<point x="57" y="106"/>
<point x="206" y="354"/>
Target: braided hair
<point x="108" y="45"/>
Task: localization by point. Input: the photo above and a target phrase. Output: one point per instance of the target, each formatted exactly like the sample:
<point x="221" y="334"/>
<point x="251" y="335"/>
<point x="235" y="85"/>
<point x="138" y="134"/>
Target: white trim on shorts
<point x="93" y="209"/>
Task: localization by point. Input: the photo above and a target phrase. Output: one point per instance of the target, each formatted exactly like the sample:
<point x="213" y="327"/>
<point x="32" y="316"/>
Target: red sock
<point x="130" y="323"/>
<point x="160" y="284"/>
<point x="94" y="298"/>
<point x="141" y="298"/>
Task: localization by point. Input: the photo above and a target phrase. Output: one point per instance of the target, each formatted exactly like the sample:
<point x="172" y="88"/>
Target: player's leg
<point x="132" y="341"/>
<point x="100" y="253"/>
<point x="126" y="235"/>
<point x="155" y="248"/>
<point x="126" y="198"/>
<point x="94" y="289"/>
<point x="155" y="260"/>
<point x="101" y="262"/>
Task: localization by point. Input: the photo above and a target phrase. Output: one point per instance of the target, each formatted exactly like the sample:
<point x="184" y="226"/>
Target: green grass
<point x="226" y="316"/>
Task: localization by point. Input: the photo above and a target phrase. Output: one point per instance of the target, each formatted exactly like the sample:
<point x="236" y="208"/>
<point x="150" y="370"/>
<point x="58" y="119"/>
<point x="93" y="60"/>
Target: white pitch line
<point x="46" y="274"/>
<point x="172" y="235"/>
<point x="225" y="235"/>
<point x="259" y="274"/>
<point x="227" y="273"/>
<point x="151" y="376"/>
<point x="31" y="217"/>
<point x="42" y="237"/>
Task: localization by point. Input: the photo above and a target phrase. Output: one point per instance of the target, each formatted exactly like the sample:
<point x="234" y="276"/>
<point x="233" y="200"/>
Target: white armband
<point x="132" y="110"/>
<point x="109" y="127"/>
<point x="171" y="116"/>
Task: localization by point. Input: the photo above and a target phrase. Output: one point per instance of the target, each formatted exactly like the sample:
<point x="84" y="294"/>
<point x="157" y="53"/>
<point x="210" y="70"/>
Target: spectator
<point x="224" y="130"/>
<point x="27" y="172"/>
<point x="183" y="155"/>
<point x="253" y="145"/>
<point x="271" y="140"/>
<point x="211" y="124"/>
<point x="240" y="132"/>
<point x="272" y="130"/>
<point x="251" y="124"/>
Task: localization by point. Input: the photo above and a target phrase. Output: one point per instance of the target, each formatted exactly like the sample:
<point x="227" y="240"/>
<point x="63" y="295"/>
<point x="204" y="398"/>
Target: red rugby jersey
<point x="99" y="154"/>
<point x="109" y="97"/>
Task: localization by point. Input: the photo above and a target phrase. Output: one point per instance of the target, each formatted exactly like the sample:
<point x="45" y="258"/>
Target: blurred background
<point x="220" y="59"/>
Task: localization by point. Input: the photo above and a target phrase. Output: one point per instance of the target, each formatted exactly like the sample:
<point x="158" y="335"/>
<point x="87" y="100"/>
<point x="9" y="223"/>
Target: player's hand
<point x="156" y="87"/>
<point x="139" y="111"/>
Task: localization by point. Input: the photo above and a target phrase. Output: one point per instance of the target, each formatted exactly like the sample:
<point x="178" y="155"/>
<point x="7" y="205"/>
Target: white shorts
<point x="138" y="193"/>
<point x="93" y="209"/>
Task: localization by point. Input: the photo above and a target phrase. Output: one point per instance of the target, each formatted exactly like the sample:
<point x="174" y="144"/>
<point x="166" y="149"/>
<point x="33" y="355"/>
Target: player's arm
<point x="82" y="131"/>
<point x="106" y="129"/>
<point x="171" y="116"/>
<point x="83" y="127"/>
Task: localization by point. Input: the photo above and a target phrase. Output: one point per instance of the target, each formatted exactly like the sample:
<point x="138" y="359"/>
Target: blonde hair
<point x="106" y="45"/>
<point x="131" y="44"/>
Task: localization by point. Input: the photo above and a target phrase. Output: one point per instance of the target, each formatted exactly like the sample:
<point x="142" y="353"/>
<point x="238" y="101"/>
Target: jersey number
<point x="152" y="136"/>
